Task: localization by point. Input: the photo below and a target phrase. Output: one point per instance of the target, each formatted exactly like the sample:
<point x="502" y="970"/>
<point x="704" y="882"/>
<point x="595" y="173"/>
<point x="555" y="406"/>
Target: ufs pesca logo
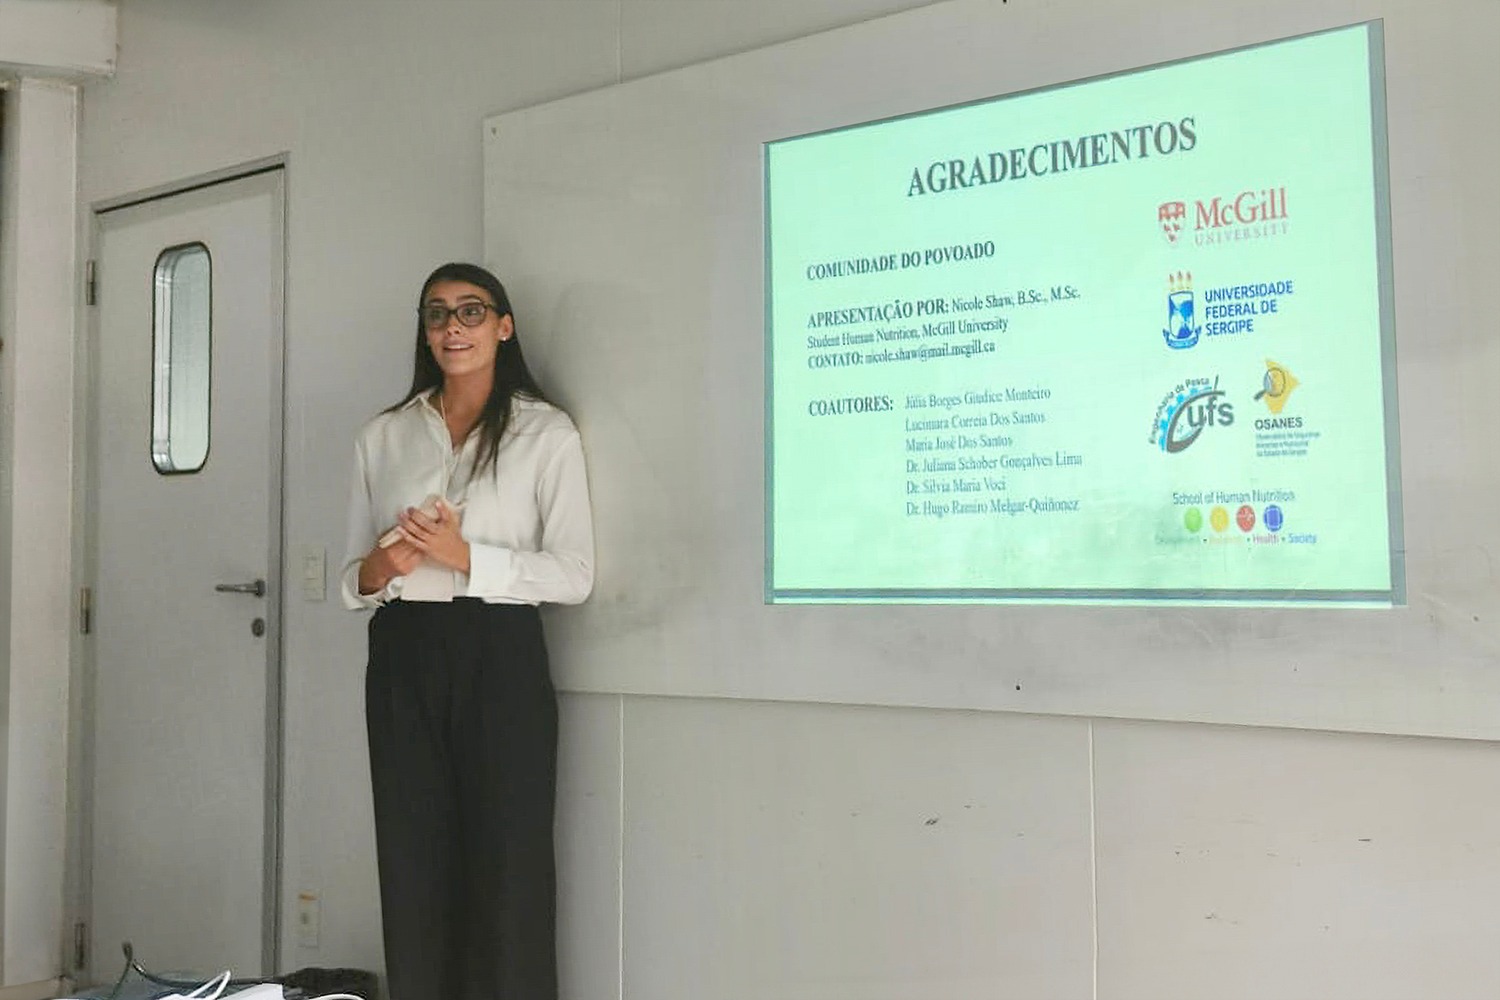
<point x="1180" y="333"/>
<point x="1249" y="214"/>
<point x="1193" y="406"/>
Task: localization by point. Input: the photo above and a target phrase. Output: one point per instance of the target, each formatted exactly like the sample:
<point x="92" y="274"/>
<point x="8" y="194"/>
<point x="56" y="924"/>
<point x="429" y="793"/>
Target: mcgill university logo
<point x="1171" y="215"/>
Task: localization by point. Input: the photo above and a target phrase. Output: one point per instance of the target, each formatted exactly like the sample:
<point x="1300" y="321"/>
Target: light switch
<point x="309" y="919"/>
<point x="314" y="580"/>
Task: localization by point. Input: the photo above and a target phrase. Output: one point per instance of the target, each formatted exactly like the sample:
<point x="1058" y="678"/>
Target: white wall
<point x="45" y="47"/>
<point x="57" y="38"/>
<point x="747" y="849"/>
<point x="36" y="449"/>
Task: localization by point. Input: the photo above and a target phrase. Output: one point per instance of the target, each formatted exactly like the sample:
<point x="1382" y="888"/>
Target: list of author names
<point x="985" y="452"/>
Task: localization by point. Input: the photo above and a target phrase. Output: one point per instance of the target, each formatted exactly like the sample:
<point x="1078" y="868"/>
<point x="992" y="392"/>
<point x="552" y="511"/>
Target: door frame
<point x="81" y="769"/>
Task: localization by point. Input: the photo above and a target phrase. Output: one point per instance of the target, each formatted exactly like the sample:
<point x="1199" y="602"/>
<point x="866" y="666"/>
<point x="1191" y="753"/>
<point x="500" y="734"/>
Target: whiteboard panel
<point x="627" y="224"/>
<point x="753" y="831"/>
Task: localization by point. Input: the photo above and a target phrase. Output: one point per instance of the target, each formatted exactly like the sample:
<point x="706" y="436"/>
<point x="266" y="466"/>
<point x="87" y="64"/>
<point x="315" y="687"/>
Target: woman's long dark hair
<point x="512" y="377"/>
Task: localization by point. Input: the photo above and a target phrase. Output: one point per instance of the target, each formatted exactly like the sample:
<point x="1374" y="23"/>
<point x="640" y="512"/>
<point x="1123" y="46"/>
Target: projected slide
<point x="1122" y="340"/>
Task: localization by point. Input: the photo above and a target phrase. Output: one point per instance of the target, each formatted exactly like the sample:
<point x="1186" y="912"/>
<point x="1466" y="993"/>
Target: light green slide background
<point x="848" y="516"/>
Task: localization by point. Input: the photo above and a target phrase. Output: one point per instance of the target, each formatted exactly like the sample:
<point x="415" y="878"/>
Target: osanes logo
<point x="1275" y="386"/>
<point x="1254" y="213"/>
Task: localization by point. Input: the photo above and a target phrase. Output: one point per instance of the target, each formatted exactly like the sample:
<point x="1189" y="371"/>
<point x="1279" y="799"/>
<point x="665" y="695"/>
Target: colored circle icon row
<point x="1271" y="518"/>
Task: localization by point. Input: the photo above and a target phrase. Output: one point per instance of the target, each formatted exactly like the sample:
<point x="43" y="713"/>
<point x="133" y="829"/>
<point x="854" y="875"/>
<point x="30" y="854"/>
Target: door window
<point x="181" y="338"/>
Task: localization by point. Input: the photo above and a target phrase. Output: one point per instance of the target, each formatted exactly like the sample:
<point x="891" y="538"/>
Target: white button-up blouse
<point x="526" y="519"/>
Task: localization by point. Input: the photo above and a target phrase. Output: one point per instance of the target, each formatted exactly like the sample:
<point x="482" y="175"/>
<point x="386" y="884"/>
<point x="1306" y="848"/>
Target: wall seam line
<point x="1093" y="864"/>
<point x="620" y="859"/>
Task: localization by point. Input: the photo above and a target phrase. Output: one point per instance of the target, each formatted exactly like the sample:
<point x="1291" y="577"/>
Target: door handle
<point x="258" y="588"/>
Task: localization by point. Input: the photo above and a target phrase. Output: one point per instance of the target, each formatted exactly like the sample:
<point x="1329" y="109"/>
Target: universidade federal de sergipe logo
<point x="1180" y="333"/>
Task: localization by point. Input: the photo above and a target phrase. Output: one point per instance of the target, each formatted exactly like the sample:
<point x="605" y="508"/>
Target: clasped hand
<point x="436" y="538"/>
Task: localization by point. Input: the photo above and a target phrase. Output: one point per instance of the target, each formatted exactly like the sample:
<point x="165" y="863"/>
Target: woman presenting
<point x="470" y="507"/>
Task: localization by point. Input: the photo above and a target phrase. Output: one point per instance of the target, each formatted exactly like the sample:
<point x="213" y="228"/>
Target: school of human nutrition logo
<point x="1276" y="386"/>
<point x="1248" y="214"/>
<point x="1272" y="518"/>
<point x="1218" y="519"/>
<point x="1180" y="333"/>
<point x="1193" y="406"/>
<point x="1245" y="518"/>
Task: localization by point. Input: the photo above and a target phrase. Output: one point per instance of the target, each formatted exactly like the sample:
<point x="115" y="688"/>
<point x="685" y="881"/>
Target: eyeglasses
<point x="435" y="317"/>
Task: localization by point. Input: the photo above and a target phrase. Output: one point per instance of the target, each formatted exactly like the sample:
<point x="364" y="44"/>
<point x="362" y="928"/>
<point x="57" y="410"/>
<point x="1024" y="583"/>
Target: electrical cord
<point x="222" y="982"/>
<point x="131" y="965"/>
<point x="219" y="982"/>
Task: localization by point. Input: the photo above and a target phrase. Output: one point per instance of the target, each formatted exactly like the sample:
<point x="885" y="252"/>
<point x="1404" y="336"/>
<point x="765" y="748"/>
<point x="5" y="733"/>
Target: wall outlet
<point x="309" y="919"/>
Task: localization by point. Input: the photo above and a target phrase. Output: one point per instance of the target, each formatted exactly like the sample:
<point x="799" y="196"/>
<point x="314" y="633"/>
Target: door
<point x="185" y="366"/>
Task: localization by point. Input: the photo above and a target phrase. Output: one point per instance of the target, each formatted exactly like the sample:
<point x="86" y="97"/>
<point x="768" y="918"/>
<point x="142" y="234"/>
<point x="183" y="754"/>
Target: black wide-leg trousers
<point x="462" y="719"/>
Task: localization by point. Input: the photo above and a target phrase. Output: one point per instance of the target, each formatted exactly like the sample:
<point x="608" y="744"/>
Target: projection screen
<point x="1126" y="340"/>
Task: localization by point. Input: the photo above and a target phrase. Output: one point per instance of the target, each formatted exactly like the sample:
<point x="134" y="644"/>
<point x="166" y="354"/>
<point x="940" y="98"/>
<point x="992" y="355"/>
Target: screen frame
<point x="1394" y="596"/>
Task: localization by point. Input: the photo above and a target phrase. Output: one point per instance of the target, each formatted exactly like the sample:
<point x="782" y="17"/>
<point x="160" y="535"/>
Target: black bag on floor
<point x="317" y="982"/>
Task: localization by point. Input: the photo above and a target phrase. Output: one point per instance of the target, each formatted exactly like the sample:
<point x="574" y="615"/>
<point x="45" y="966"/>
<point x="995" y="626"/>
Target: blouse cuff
<point x="354" y="600"/>
<point x="492" y="570"/>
